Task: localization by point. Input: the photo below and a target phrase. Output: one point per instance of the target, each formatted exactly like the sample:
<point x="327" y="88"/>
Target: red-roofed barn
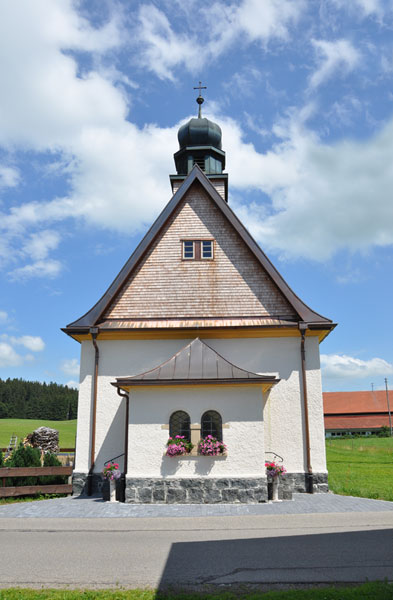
<point x="361" y="413"/>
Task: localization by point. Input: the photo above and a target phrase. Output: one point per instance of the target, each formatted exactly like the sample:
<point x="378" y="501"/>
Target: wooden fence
<point x="23" y="490"/>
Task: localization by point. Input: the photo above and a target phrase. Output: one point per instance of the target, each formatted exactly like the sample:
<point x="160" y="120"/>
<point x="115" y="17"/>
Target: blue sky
<point x="92" y="96"/>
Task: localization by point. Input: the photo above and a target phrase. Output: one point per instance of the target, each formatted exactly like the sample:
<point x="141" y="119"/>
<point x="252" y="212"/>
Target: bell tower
<point x="200" y="144"/>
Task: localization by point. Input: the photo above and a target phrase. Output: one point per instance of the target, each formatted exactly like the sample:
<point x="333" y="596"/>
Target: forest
<point x="20" y="399"/>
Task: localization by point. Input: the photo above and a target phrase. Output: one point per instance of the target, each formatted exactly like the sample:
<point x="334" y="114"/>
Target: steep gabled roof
<point x="96" y="314"/>
<point x="195" y="363"/>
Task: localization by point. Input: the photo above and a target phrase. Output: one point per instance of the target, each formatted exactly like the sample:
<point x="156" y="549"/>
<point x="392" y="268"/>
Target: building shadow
<point x="327" y="558"/>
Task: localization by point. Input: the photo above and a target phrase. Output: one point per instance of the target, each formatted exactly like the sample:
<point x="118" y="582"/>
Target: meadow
<point x="21" y="427"/>
<point x="361" y="467"/>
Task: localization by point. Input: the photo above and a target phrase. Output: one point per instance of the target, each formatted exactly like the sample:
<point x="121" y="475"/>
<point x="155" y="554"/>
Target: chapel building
<point x="200" y="335"/>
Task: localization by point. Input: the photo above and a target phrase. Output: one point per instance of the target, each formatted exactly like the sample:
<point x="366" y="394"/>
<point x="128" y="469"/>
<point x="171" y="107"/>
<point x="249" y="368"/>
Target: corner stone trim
<point x="196" y="491"/>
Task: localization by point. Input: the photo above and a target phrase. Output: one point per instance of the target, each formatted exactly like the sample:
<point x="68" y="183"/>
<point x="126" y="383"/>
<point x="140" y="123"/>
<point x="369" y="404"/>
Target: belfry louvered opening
<point x="200" y="161"/>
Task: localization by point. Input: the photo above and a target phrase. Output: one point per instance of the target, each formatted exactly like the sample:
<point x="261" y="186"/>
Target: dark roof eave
<point x="151" y="382"/>
<point x="312" y="326"/>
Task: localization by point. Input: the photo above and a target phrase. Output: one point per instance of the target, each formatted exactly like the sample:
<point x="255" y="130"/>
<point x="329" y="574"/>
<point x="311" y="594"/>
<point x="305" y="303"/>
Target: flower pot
<point x="112" y="490"/>
<point x="275" y="482"/>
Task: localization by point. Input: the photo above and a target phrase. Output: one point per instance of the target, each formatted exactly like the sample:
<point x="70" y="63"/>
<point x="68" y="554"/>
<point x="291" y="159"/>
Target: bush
<point x="1" y="459"/>
<point x="24" y="456"/>
<point x="384" y="431"/>
<point x="51" y="460"/>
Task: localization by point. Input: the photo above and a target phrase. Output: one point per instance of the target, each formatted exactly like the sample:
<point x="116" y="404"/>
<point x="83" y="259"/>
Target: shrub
<point x="1" y="459"/>
<point x="24" y="456"/>
<point x="384" y="431"/>
<point x="51" y="460"/>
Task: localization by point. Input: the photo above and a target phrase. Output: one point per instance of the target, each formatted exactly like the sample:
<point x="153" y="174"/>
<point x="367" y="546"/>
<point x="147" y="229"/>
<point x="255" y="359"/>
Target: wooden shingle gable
<point x="145" y="289"/>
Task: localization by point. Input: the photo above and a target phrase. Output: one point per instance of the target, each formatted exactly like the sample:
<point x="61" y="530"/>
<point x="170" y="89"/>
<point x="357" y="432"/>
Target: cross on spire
<point x="200" y="100"/>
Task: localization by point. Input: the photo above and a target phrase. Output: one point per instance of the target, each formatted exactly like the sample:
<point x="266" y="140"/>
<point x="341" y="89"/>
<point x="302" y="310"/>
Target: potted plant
<point x="112" y="473"/>
<point x="178" y="446"/>
<point x="211" y="446"/>
<point x="274" y="472"/>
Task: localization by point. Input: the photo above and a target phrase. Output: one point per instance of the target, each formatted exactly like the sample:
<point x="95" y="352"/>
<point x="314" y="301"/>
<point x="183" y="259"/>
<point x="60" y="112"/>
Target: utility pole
<point x="387" y="401"/>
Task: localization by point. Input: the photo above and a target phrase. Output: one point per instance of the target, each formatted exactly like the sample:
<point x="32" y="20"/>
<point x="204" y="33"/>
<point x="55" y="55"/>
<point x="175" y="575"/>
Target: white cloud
<point x="9" y="177"/>
<point x="339" y="57"/>
<point x="268" y="19"/>
<point x="70" y="366"/>
<point x="214" y="29"/>
<point x="49" y="268"/>
<point x="39" y="244"/>
<point x="8" y="356"/>
<point x="73" y="384"/>
<point x="80" y="118"/>
<point x="324" y="197"/>
<point x="335" y="366"/>
<point x="366" y="7"/>
<point x="3" y="316"/>
<point x="326" y="190"/>
<point x="33" y="343"/>
<point x="34" y="66"/>
<point x="164" y="49"/>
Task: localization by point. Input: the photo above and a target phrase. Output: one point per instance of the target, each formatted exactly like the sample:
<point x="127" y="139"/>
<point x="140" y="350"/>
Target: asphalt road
<point x="196" y="552"/>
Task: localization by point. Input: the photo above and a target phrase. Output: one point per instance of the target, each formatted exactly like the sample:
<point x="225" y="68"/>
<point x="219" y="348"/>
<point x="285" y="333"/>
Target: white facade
<point x="254" y="423"/>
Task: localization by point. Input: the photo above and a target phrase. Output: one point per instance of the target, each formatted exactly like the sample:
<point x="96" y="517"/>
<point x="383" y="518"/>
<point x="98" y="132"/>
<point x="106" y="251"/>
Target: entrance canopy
<point x="196" y="363"/>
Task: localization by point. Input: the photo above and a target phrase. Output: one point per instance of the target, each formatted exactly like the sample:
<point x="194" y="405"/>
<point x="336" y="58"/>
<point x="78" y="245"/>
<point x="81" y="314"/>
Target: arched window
<point x="211" y="424"/>
<point x="179" y="424"/>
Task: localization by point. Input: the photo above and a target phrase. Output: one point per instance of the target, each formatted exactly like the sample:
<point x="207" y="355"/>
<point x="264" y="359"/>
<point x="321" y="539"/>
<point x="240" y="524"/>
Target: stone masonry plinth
<point x="196" y="490"/>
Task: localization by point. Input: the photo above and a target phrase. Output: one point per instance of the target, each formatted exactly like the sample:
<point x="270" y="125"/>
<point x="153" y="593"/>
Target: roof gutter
<point x="93" y="332"/>
<point x="309" y="474"/>
<point x="124" y="474"/>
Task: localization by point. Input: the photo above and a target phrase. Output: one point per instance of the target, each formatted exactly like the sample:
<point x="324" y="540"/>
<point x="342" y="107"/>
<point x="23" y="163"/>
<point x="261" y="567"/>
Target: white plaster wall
<point x="83" y="432"/>
<point x="117" y="358"/>
<point x="283" y="413"/>
<point x="240" y="407"/>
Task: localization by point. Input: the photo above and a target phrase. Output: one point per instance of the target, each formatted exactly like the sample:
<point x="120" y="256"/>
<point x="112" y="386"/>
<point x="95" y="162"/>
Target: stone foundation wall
<point x="202" y="490"/>
<point x="293" y="483"/>
<point x="79" y="483"/>
<point x="196" y="491"/>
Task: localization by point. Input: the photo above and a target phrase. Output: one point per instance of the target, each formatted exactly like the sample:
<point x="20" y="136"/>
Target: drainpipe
<point x="93" y="333"/>
<point x="309" y="474"/>
<point x="124" y="474"/>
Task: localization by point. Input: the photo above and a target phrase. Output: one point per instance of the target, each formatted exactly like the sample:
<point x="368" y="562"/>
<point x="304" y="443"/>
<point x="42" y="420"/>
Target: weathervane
<point x="200" y="100"/>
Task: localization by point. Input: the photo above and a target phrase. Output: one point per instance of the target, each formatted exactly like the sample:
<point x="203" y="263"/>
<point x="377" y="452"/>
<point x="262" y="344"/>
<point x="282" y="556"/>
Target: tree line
<point x="20" y="399"/>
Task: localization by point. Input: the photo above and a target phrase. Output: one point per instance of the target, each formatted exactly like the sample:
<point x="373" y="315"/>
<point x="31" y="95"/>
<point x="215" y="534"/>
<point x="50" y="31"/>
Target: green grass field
<point x="368" y="591"/>
<point x="361" y="467"/>
<point x="21" y="427"/>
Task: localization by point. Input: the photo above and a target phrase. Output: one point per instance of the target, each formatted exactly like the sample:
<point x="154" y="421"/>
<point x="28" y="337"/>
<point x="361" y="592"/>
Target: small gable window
<point x="207" y="249"/>
<point x="179" y="424"/>
<point x="188" y="249"/>
<point x="211" y="424"/>
<point x="197" y="249"/>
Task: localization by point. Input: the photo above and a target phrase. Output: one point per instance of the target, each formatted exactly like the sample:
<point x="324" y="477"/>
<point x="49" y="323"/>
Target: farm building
<point x="200" y="335"/>
<point x="360" y="413"/>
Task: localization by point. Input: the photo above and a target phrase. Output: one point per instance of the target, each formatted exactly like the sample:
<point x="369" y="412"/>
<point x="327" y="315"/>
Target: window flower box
<point x="178" y="446"/>
<point x="211" y="446"/>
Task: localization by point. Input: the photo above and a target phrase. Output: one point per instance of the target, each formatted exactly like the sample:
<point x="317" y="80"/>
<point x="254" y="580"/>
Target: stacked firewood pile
<point x="45" y="438"/>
